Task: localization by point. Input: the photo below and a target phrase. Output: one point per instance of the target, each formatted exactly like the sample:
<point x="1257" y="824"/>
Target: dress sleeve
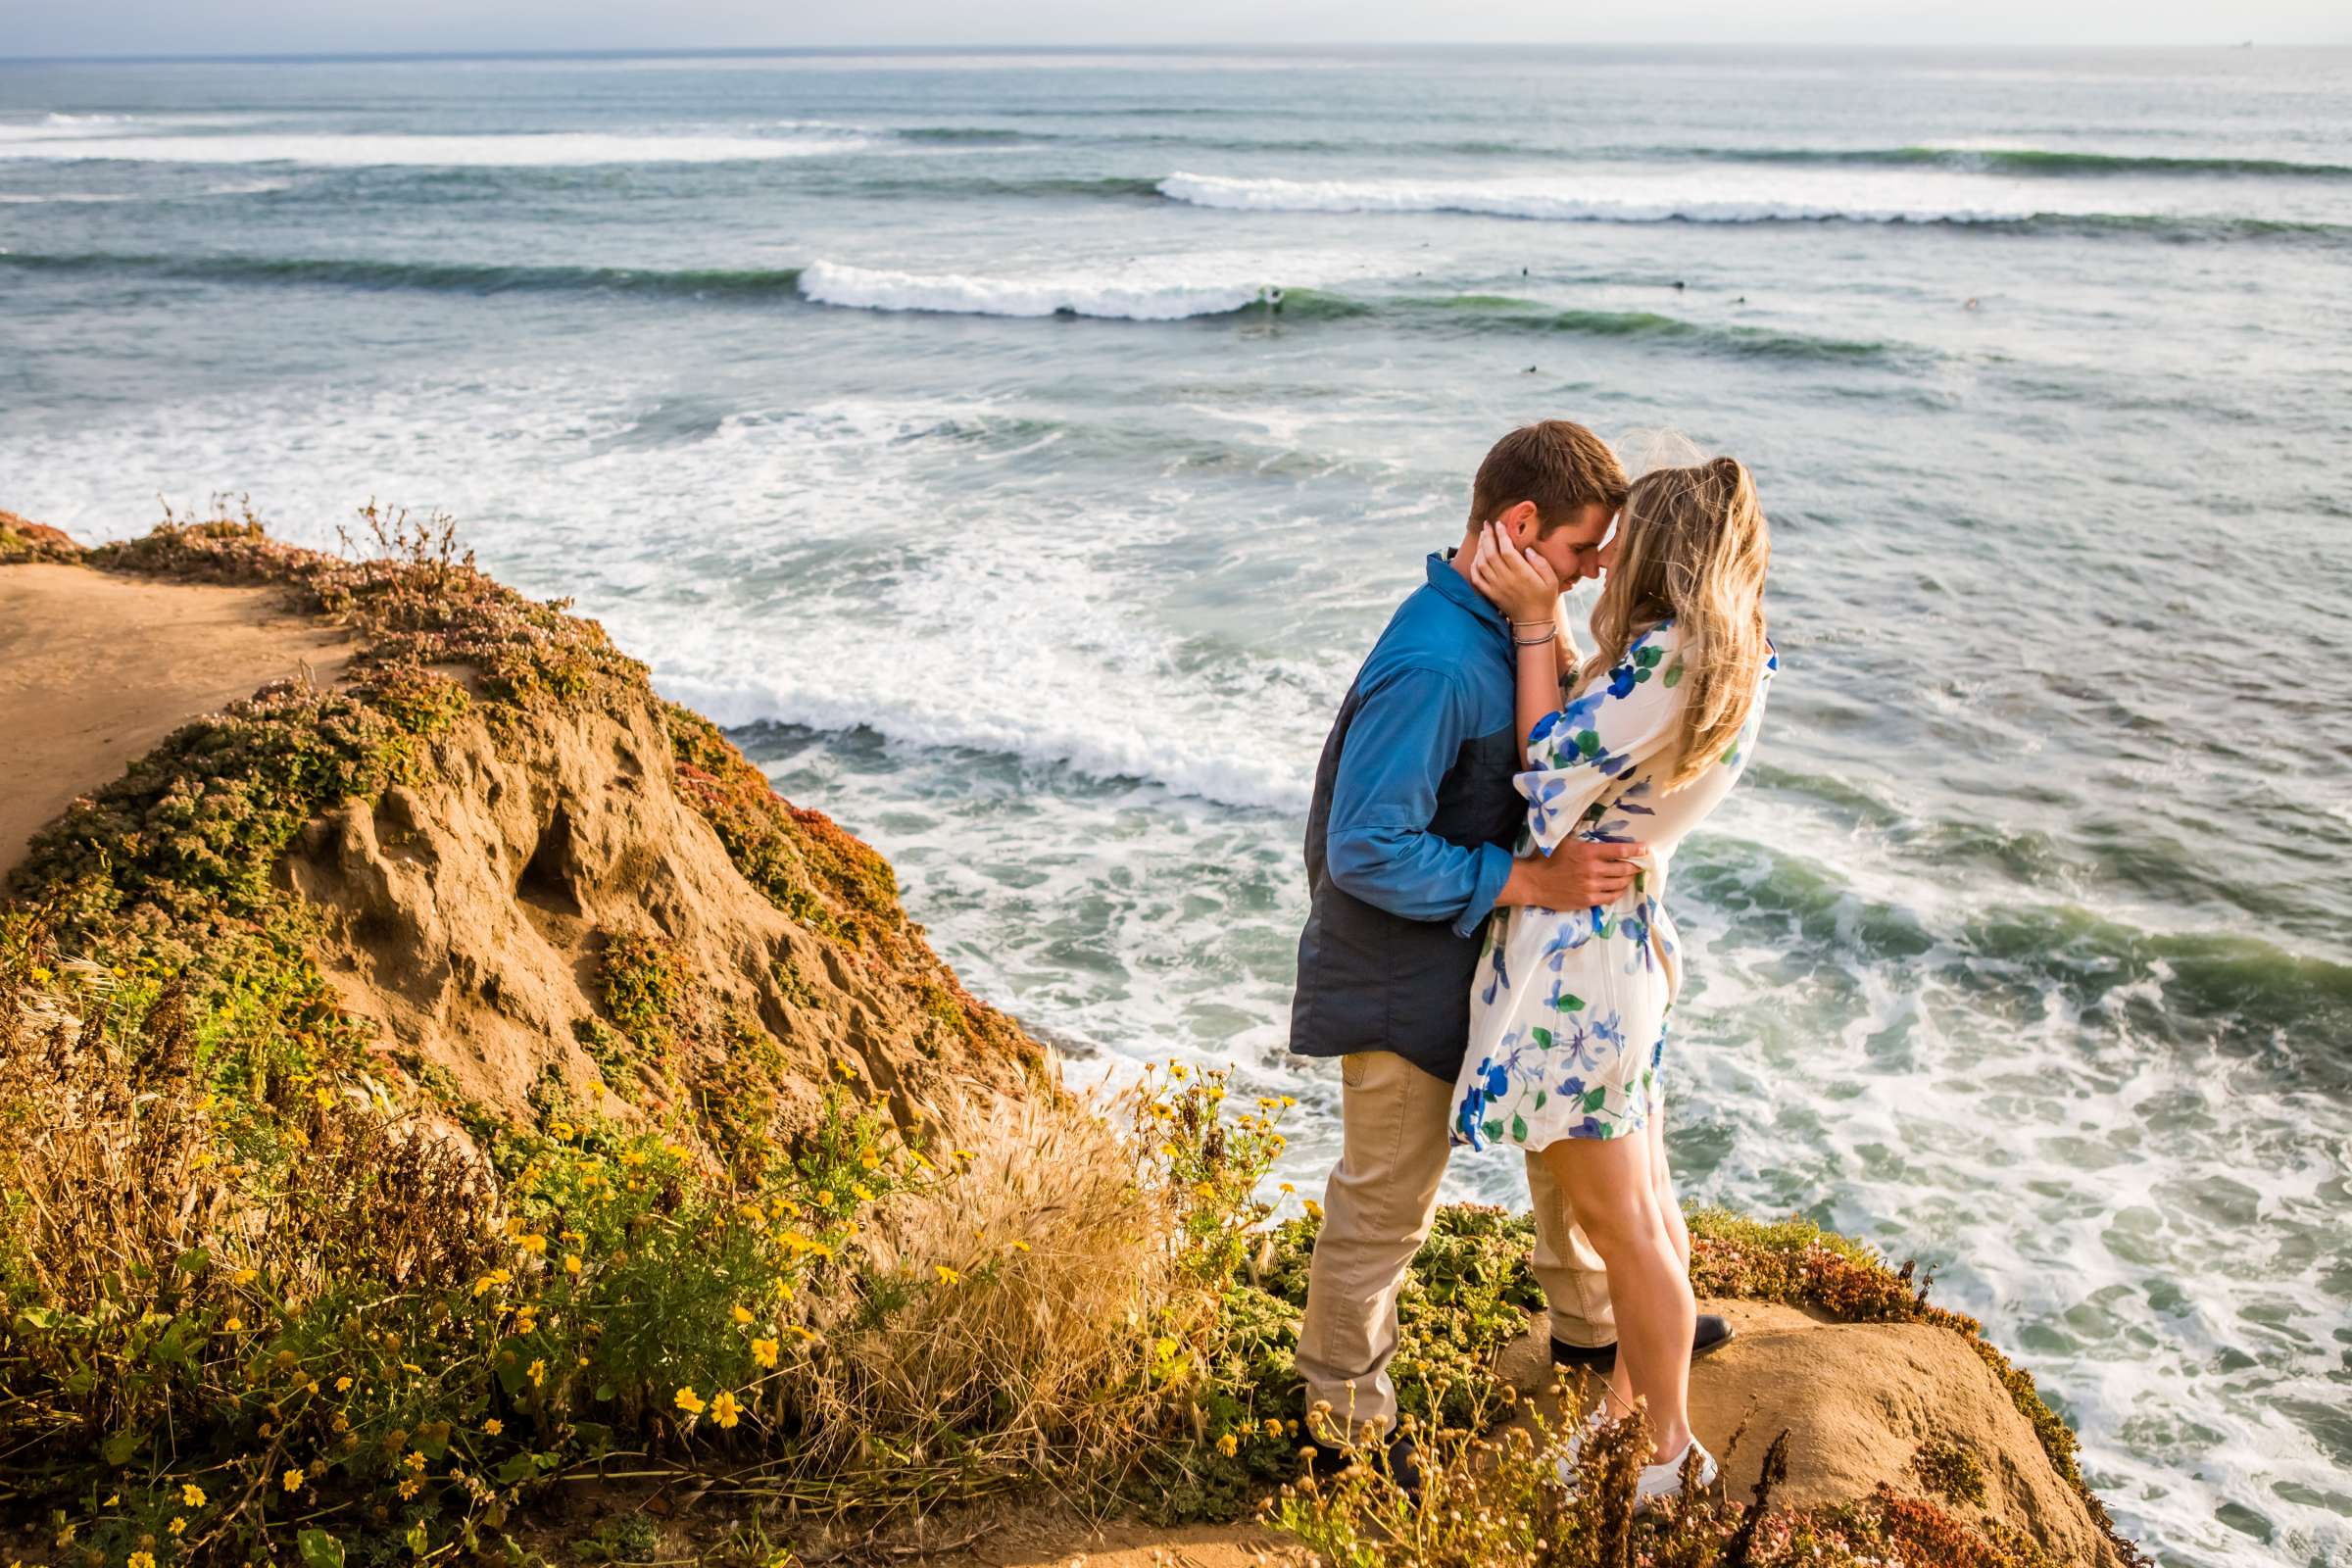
<point x="1616" y="723"/>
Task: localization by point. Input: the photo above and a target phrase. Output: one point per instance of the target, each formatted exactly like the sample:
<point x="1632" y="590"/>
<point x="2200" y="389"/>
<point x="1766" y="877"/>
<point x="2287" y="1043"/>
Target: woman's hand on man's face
<point x="1520" y="582"/>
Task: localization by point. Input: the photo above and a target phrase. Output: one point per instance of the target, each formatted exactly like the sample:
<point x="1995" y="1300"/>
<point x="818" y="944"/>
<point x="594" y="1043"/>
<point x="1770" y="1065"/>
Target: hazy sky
<point x="276" y="27"/>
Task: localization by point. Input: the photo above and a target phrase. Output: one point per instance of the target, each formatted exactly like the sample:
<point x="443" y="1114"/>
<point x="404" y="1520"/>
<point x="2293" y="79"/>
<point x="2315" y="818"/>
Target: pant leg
<point x="1377" y="1211"/>
<point x="1576" y="1285"/>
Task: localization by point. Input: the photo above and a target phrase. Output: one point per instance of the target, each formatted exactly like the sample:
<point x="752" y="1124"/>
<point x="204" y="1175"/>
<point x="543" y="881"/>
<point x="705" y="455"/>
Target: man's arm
<point x="1406" y="733"/>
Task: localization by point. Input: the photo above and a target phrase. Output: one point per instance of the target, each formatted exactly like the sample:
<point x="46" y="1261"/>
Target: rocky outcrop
<point x="483" y="916"/>
<point x="537" y="881"/>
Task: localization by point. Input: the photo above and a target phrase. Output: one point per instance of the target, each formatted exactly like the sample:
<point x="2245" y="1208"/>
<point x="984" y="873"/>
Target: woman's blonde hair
<point x="1695" y="549"/>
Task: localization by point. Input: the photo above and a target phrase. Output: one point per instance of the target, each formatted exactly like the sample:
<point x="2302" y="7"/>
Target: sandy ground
<point x="96" y="668"/>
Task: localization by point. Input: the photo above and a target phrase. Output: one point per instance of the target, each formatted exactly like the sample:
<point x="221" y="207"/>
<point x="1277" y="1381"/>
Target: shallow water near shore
<point x="1022" y="451"/>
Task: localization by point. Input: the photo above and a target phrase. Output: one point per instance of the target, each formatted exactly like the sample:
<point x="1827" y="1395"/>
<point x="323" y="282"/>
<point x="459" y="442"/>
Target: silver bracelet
<point x="1518" y="641"/>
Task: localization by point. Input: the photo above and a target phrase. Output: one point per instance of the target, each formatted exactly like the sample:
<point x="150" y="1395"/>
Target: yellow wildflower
<point x="534" y="1244"/>
<point x="235" y="1325"/>
<point x="571" y="1263"/>
<point x="1273" y="1427"/>
<point x="343" y="1384"/>
<point x="764" y="1353"/>
<point x="1176" y="1070"/>
<point x="1227" y="1445"/>
<point x="1021" y="1246"/>
<point x="947" y="1275"/>
<point x="142" y="1560"/>
<point x="863" y="1192"/>
<point x="491" y="1282"/>
<point x="192" y="1495"/>
<point x="179" y="1525"/>
<point x="243" y="1276"/>
<point x="824" y="1199"/>
<point x="724" y="1408"/>
<point x="493" y="1427"/>
<point x="689" y="1402"/>
<point x="869" y="1159"/>
<point x="537" y="1373"/>
<point x="325" y="1096"/>
<point x="1314" y="1210"/>
<point x="740" y="1312"/>
<point x="410" y="1487"/>
<point x="291" y="1480"/>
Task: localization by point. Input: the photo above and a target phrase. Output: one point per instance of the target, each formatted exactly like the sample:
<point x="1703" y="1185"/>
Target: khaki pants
<point x="1378" y="1209"/>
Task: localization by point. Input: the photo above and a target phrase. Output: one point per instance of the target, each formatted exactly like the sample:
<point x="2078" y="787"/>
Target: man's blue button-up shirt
<point x="1441" y="676"/>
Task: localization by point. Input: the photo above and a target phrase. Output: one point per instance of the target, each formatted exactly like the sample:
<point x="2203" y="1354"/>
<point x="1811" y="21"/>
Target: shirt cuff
<point x="1494" y="870"/>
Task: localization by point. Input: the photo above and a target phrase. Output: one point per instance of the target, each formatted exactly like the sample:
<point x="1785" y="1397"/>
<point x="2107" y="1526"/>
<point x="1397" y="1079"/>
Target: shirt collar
<point x="1452" y="584"/>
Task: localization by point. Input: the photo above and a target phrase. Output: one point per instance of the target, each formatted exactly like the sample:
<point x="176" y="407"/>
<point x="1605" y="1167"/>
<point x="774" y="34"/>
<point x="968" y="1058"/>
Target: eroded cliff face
<point x="545" y="904"/>
<point x="521" y="878"/>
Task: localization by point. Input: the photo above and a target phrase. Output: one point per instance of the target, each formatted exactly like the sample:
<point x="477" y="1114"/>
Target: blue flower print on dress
<point x="1636" y="929"/>
<point x="1501" y="975"/>
<point x="1578" y="1044"/>
<point x="1491" y="1083"/>
<point x="1542" y="805"/>
<point x="1571" y="935"/>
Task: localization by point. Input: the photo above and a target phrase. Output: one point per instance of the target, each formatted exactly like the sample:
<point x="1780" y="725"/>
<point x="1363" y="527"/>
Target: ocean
<point x="1021" y="450"/>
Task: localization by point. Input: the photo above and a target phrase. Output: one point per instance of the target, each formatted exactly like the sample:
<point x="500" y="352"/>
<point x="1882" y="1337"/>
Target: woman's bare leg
<point x="1615" y="1195"/>
<point x="1662" y="1181"/>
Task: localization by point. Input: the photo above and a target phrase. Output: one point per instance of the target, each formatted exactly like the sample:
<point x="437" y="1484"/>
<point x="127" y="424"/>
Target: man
<point x="1408" y="849"/>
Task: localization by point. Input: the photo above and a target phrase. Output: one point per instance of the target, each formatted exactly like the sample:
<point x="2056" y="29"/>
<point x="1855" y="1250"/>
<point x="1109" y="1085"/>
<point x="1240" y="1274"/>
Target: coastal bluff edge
<point x="457" y="1110"/>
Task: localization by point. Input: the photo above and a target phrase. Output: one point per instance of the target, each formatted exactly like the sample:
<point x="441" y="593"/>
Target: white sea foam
<point x="1704" y="195"/>
<point x="1146" y="292"/>
<point x="519" y="150"/>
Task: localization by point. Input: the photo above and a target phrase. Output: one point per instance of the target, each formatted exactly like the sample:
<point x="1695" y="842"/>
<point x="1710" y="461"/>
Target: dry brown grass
<point x="999" y="1319"/>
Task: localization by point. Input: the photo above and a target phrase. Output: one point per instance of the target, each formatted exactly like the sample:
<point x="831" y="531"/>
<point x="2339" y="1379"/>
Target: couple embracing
<point x="1486" y="950"/>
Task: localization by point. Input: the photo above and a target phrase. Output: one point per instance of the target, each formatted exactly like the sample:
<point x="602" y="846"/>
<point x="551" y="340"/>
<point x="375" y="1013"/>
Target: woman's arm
<point x="1541" y="679"/>
<point x="1523" y="586"/>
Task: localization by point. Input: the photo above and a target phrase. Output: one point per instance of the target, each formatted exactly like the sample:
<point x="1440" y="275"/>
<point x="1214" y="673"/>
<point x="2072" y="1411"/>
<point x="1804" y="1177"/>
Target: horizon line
<point x="723" y="51"/>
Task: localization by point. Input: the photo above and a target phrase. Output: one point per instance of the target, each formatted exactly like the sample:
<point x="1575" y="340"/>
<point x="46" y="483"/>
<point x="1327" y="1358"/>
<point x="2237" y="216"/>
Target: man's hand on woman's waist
<point x="1578" y="875"/>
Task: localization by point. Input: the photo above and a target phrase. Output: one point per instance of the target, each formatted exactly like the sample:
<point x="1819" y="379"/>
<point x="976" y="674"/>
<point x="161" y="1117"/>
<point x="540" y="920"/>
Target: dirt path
<point x="96" y="668"/>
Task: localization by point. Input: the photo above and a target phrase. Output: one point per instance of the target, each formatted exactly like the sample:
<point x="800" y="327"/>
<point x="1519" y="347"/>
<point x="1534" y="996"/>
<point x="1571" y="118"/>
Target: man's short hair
<point x="1561" y="466"/>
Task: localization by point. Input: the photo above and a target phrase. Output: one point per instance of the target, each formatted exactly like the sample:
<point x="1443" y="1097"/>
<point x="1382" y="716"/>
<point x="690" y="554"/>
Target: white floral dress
<point x="1568" y="1009"/>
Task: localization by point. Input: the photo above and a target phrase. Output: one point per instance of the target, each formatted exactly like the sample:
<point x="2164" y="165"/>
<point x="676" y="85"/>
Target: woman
<point x="1569" y="1008"/>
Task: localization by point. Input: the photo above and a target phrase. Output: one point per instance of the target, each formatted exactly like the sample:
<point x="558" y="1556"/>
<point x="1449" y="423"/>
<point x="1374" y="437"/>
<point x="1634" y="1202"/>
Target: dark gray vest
<point x="1369" y="980"/>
